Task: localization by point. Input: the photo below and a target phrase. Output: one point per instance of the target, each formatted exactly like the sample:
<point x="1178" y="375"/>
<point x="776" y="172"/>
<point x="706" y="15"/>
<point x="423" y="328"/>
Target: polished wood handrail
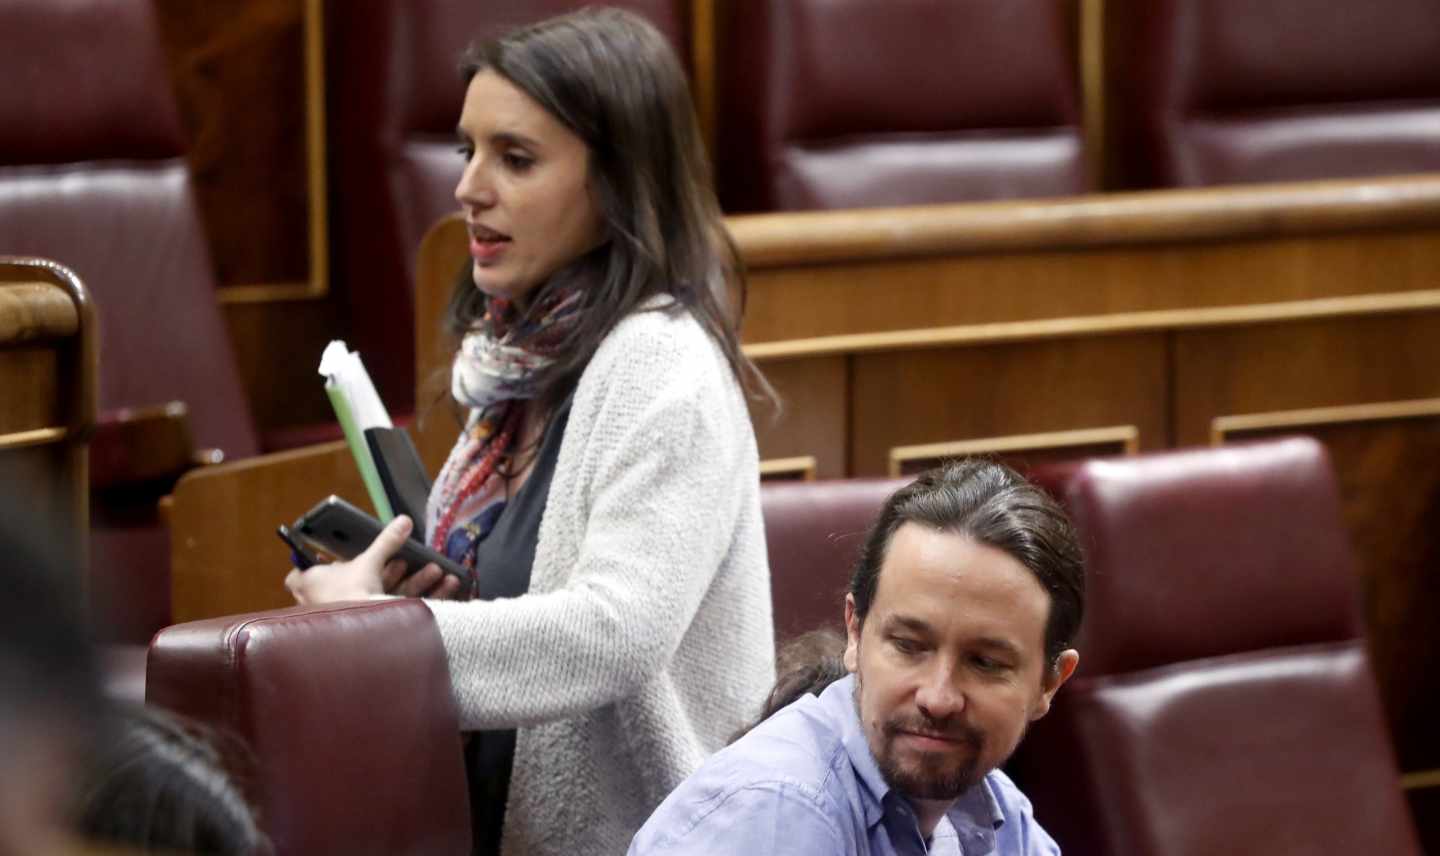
<point x="48" y="356"/>
<point x="1101" y="220"/>
<point x="52" y="321"/>
<point x="1097" y="220"/>
<point x="36" y="312"/>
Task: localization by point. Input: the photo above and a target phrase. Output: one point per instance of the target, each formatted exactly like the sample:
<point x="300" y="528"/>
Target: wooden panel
<point x="811" y="421"/>
<point x="224" y="555"/>
<point x="1298" y="365"/>
<point x="1021" y="451"/>
<point x="31" y="400"/>
<point x="1387" y="461"/>
<point x="911" y="294"/>
<point x="248" y="79"/>
<point x="277" y="350"/>
<point x="444" y="253"/>
<point x="925" y="396"/>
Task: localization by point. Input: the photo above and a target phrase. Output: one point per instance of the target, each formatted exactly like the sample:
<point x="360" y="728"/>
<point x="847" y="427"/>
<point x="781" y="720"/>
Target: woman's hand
<point x="429" y="581"/>
<point x="369" y="574"/>
<point x="357" y="579"/>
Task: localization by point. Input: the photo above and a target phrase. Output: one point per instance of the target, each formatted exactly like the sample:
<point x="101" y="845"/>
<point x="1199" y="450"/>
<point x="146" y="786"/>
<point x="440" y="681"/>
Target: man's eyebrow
<point x="996" y="643"/>
<point x="906" y="622"/>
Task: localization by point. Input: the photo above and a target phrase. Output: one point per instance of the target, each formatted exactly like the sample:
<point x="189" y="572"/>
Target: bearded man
<point x="960" y="618"/>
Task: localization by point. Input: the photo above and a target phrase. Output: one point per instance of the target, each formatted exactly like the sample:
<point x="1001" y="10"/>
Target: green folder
<point x="361" y="450"/>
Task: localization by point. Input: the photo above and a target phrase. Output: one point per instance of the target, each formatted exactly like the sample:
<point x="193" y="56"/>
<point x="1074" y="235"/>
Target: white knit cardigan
<point x="645" y="639"/>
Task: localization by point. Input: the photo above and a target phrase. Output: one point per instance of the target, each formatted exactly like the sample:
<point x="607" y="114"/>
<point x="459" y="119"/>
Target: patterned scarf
<point x="493" y="374"/>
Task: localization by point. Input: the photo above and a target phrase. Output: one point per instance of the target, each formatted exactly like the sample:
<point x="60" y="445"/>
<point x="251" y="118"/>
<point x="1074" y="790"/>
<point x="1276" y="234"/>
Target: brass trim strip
<point x="806" y="465"/>
<point x="315" y="146"/>
<point x="1420" y="779"/>
<point x="1220" y="426"/>
<point x="1120" y="322"/>
<point x="702" y="56"/>
<point x="1092" y="89"/>
<point x="316" y="180"/>
<point x="1128" y="436"/>
<point x="36" y="437"/>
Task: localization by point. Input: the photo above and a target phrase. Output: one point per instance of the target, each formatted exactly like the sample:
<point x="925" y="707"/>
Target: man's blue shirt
<point x="804" y="783"/>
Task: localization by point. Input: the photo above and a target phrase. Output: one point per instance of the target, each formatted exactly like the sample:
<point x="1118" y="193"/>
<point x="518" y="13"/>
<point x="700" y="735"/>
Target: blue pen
<point x="302" y="559"/>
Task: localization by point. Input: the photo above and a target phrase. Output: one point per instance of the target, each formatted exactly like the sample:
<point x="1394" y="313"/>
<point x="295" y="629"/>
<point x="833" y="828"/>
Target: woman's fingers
<point x="392" y="575"/>
<point x="390" y="540"/>
<point x="449" y="588"/>
<point x="420" y="583"/>
<point x="292" y="582"/>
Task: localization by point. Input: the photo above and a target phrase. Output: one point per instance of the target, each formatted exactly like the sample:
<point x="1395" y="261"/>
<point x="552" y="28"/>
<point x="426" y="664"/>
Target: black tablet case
<point x="401" y="474"/>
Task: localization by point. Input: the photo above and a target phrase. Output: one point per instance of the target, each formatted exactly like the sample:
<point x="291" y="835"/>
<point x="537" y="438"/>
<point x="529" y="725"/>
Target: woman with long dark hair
<point x="605" y="488"/>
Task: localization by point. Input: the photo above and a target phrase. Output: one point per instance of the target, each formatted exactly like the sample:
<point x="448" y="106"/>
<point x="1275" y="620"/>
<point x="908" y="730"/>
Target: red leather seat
<point x="92" y="175"/>
<point x="393" y="95"/>
<point x="1224" y="702"/>
<point x="348" y="713"/>
<point x="853" y="103"/>
<point x="813" y="534"/>
<point x="1205" y="92"/>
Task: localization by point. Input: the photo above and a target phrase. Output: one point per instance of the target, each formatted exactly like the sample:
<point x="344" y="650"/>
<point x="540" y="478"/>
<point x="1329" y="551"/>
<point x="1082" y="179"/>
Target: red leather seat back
<point x="92" y="175"/>
<point x="813" y="532"/>
<point x="1206" y="92"/>
<point x="393" y="96"/>
<point x="852" y="103"/>
<point x="348" y="712"/>
<point x="1223" y="700"/>
<point x="1205" y="552"/>
<point x="1277" y="751"/>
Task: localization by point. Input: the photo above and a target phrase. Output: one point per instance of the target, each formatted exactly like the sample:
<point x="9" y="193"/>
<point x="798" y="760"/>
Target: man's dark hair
<point x="982" y="500"/>
<point x="160" y="783"/>
<point x="992" y="505"/>
<point x="806" y="665"/>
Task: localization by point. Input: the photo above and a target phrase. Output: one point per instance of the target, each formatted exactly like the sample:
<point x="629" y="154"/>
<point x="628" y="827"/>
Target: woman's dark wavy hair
<point x="993" y="505"/>
<point x="612" y="79"/>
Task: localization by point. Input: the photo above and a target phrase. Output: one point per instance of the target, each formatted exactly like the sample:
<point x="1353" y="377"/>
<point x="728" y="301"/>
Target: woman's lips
<point x="485" y="250"/>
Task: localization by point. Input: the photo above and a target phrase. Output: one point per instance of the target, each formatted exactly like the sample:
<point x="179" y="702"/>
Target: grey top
<point x="502" y="564"/>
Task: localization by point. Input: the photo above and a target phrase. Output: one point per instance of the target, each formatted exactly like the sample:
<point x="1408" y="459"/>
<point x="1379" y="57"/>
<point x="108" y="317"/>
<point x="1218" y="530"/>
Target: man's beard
<point x="937" y="776"/>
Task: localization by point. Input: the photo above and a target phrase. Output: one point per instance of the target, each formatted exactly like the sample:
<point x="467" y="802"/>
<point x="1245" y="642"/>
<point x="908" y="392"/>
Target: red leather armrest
<point x="348" y="711"/>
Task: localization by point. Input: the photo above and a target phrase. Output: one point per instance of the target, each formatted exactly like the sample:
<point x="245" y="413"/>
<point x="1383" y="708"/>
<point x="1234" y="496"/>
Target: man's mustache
<point x="942" y="729"/>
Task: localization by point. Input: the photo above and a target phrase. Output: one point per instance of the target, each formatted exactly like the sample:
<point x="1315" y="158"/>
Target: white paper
<point x="344" y="370"/>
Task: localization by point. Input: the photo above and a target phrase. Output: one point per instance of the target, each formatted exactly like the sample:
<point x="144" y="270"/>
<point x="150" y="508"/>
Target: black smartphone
<point x="344" y="531"/>
<point x="300" y="556"/>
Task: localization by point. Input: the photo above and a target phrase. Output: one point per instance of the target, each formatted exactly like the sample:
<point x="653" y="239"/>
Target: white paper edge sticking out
<point x="343" y="369"/>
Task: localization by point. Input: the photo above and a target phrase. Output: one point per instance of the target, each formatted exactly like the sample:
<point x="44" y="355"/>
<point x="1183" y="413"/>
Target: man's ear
<point x="1055" y="677"/>
<point x="852" y="635"/>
